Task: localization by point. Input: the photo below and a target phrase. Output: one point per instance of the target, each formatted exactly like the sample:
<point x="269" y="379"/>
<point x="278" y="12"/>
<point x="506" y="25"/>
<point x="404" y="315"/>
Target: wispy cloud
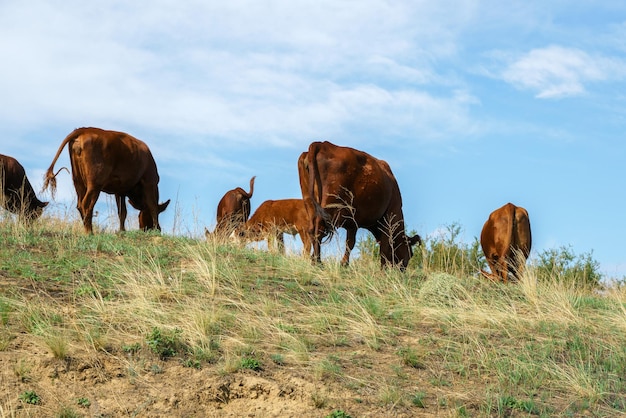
<point x="245" y="71"/>
<point x="556" y="71"/>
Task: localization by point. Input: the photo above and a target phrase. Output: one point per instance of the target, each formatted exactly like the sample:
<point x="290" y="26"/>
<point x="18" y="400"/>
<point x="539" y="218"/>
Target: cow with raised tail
<point x="18" y="196"/>
<point x="346" y="188"/>
<point x="115" y="163"/>
<point x="233" y="210"/>
<point x="506" y="241"/>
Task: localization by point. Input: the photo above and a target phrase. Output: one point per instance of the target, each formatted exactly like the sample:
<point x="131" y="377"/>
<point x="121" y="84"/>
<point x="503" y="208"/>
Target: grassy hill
<point x="141" y="324"/>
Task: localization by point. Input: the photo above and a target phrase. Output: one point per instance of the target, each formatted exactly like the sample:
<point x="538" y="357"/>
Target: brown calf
<point x="276" y="217"/>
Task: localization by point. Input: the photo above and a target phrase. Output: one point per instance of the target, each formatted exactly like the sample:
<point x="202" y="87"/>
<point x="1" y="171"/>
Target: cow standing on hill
<point x="233" y="210"/>
<point x="506" y="241"/>
<point x="274" y="218"/>
<point x="18" y="195"/>
<point x="114" y="163"/>
<point x="346" y="188"/>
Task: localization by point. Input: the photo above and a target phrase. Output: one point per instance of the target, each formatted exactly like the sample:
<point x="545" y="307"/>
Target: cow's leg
<point x="280" y="240"/>
<point x="81" y="190"/>
<point x="86" y="208"/>
<point x="306" y="242"/>
<point x="350" y="242"/>
<point x="120" y="200"/>
<point x="502" y="269"/>
<point x="315" y="237"/>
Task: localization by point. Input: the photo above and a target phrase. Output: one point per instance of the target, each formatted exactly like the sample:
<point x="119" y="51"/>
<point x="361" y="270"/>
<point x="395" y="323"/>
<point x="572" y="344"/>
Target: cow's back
<point x="353" y="182"/>
<point x="115" y="162"/>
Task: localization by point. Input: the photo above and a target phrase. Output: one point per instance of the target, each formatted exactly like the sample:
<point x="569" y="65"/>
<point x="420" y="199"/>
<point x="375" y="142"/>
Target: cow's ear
<point x="163" y="206"/>
<point x="415" y="239"/>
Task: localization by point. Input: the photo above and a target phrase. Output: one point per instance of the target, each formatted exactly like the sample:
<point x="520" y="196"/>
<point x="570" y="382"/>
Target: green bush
<point x="563" y="265"/>
<point x="165" y="343"/>
<point x="446" y="253"/>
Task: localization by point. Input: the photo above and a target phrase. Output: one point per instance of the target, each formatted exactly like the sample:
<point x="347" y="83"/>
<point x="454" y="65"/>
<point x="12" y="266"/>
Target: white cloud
<point x="241" y="70"/>
<point x="556" y="71"/>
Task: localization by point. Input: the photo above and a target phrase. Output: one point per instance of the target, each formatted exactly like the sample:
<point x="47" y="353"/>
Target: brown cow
<point x="346" y="188"/>
<point x="506" y="241"/>
<point x="18" y="195"/>
<point x="274" y="218"/>
<point x="233" y="209"/>
<point x="114" y="163"/>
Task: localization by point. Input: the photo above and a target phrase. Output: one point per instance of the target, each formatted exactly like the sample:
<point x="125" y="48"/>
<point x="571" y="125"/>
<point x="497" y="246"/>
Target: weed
<point x="418" y="399"/>
<point x="191" y="363"/>
<point x="22" y="371"/>
<point x="30" y="397"/>
<point x="59" y="346"/>
<point x="278" y="359"/>
<point x="131" y="348"/>
<point x="250" y="363"/>
<point x="338" y="414"/>
<point x="410" y="358"/>
<point x="164" y="343"/>
<point x="67" y="412"/>
<point x="319" y="400"/>
<point x="84" y="402"/>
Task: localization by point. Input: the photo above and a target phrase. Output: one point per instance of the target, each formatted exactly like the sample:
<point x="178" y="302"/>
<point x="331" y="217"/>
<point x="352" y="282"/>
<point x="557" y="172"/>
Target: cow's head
<point x="398" y="252"/>
<point x="145" y="220"/>
<point x="35" y="210"/>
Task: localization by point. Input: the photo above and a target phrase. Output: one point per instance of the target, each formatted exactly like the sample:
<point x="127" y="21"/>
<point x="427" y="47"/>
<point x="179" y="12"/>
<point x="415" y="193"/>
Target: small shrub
<point x="164" y="343"/>
<point x="564" y="265"/>
<point x="418" y="399"/>
<point x="192" y="363"/>
<point x="30" y="397"/>
<point x="84" y="402"/>
<point x="250" y="363"/>
<point x="338" y="414"/>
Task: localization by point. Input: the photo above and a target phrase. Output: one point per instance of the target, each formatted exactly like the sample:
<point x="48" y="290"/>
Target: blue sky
<point x="473" y="103"/>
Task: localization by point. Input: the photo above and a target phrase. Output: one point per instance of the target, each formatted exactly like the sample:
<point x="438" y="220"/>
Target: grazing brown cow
<point x="18" y="195"/>
<point x="346" y="188"/>
<point x="233" y="209"/>
<point x="274" y="218"/>
<point x="506" y="241"/>
<point x="114" y="163"/>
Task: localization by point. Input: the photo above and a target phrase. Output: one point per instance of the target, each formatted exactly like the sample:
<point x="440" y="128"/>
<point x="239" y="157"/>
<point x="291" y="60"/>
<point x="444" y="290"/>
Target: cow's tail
<point x="50" y="179"/>
<point x="315" y="184"/>
<point x="251" y="187"/>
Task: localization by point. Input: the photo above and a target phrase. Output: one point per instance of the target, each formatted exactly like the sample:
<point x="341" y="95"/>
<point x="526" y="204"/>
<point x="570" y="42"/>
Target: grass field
<point x="142" y="324"/>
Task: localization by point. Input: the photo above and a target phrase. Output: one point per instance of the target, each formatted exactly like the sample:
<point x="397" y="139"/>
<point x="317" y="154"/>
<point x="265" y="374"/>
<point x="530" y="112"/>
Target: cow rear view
<point x="114" y="163"/>
<point x="233" y="210"/>
<point x="506" y="242"/>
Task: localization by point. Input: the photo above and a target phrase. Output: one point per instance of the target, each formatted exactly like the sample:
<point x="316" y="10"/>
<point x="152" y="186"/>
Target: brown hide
<point x="233" y="209"/>
<point x="346" y="188"/>
<point x="114" y="163"/>
<point x="18" y="195"/>
<point x="274" y="218"/>
<point x="506" y="241"/>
